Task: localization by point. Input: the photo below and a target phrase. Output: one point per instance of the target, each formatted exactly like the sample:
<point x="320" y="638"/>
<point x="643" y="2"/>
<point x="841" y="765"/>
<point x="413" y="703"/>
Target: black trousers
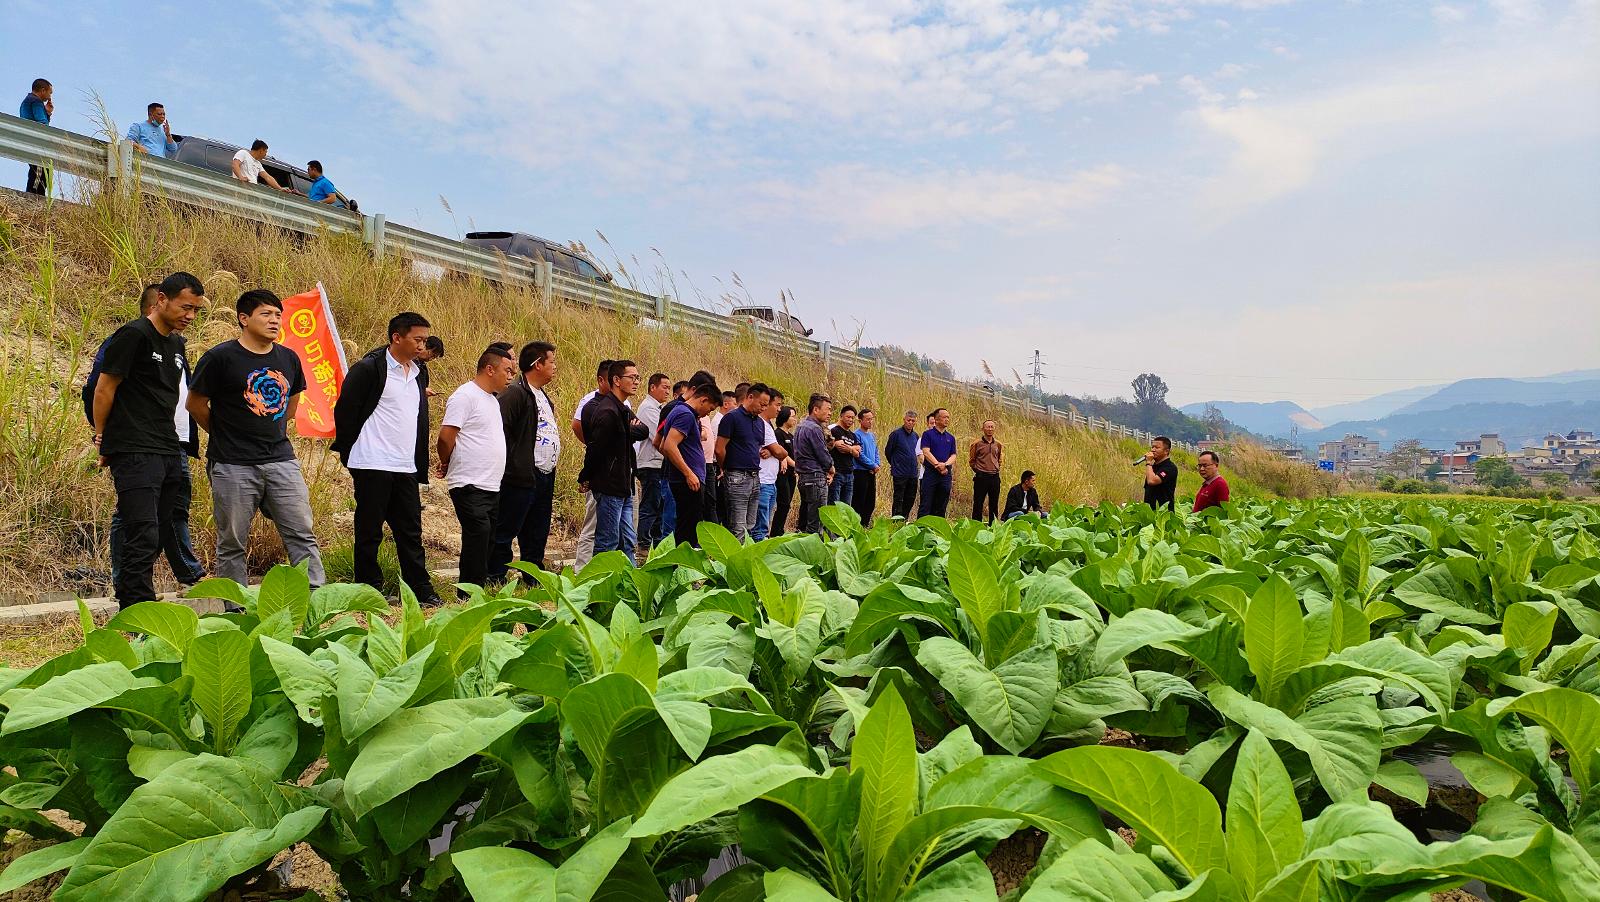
<point x="781" y="503"/>
<point x="37" y="183"/>
<point x="812" y="499"/>
<point x="152" y="491"/>
<point x="985" y="486"/>
<point x="905" y="495"/>
<point x="710" y="499"/>
<point x="396" y="499"/>
<point x="864" y="497"/>
<point x="524" y="518"/>
<point x="689" y="503"/>
<point x="935" y="493"/>
<point x="478" y="511"/>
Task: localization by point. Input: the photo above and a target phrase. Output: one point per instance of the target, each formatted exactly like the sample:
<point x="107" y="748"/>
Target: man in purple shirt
<point x="939" y="463"/>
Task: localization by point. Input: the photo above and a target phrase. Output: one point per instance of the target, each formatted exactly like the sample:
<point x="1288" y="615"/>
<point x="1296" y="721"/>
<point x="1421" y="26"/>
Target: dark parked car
<point x="772" y="319"/>
<point x="532" y="247"/>
<point x="217" y="156"/>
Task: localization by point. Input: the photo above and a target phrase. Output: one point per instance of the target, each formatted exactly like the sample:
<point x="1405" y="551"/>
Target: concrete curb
<point x="55" y="613"/>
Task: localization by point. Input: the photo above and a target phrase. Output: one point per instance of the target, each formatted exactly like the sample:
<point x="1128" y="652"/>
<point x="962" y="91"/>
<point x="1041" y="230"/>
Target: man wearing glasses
<point x="609" y="431"/>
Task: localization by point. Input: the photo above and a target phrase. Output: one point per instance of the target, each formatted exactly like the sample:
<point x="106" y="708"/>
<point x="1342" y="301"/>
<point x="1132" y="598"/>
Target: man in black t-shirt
<point x="244" y="394"/>
<point x="846" y="450"/>
<point x="135" y="401"/>
<point x="1160" y="474"/>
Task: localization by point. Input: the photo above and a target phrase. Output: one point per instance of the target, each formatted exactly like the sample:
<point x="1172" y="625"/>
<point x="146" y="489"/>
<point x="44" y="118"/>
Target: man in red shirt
<point x="1213" y="488"/>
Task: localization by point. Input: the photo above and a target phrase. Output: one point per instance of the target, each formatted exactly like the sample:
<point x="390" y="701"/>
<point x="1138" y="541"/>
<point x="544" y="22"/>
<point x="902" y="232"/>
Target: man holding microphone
<point x="1160" y="474"/>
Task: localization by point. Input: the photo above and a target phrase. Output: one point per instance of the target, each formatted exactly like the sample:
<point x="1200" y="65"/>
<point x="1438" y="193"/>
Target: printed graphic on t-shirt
<point x="266" y="393"/>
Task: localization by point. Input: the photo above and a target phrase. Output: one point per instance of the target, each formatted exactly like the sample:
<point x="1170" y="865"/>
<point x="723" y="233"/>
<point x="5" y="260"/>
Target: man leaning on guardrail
<point x="154" y="134"/>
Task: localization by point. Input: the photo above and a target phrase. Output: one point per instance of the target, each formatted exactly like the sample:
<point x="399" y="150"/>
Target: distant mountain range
<point x="1521" y="410"/>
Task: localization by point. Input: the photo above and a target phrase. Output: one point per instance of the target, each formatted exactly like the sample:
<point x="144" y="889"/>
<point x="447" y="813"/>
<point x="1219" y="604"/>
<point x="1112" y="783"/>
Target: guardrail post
<point x="1050" y="411"/>
<point x="824" y="349"/>
<point x="661" y="307"/>
<point x="119" y="165"/>
<point x="372" y="233"/>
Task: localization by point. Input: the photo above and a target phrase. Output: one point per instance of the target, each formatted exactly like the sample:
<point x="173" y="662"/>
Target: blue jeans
<point x="842" y="489"/>
<point x="769" y="495"/>
<point x="743" y="492"/>
<point x="613" y="522"/>
<point x="669" y="508"/>
<point x="652" y="487"/>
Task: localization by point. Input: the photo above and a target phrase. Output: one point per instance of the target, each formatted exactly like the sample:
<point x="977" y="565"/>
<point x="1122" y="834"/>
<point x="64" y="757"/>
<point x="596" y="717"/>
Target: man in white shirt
<point x="771" y="466"/>
<point x="247" y="166"/>
<point x="472" y="458"/>
<point x="533" y="448"/>
<point x="652" y="488"/>
<point x="381" y="425"/>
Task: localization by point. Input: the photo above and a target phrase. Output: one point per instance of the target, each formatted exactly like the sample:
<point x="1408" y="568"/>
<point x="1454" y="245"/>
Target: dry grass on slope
<point x="69" y="274"/>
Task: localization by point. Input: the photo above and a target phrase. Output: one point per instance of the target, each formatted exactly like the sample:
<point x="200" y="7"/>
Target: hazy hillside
<point x="1273" y="418"/>
<point x="1505" y="391"/>
<point x="1375" y="407"/>
<point x="1518" y="424"/>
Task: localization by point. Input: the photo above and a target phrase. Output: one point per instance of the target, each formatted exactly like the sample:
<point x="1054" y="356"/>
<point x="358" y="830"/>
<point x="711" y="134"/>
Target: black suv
<point x="217" y="156"/>
<point x="532" y="247"/>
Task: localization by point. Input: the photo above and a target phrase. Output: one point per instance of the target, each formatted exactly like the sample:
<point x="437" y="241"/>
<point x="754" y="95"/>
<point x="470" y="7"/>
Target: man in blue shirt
<point x="901" y="450"/>
<point x="864" y="494"/>
<point x="154" y="134"/>
<point x="741" y="437"/>
<point x="322" y="190"/>
<point x="36" y="107"/>
<point x="939" y="456"/>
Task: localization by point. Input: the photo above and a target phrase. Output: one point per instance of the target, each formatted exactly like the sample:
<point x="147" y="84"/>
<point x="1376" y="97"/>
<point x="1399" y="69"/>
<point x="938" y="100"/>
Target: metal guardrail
<point x="115" y="163"/>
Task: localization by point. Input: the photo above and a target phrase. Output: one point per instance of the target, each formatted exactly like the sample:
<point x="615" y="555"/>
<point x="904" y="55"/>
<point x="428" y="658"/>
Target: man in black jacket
<point x="381" y="425"/>
<point x="1023" y="498"/>
<point x="609" y="431"/>
<point x="533" y="446"/>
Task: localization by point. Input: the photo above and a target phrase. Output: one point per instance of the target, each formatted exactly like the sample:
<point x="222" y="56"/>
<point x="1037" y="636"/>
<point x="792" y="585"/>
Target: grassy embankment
<point x="69" y="274"/>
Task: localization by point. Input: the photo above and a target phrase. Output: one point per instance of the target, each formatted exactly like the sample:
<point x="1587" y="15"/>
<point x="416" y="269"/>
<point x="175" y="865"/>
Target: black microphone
<point x="1140" y="462"/>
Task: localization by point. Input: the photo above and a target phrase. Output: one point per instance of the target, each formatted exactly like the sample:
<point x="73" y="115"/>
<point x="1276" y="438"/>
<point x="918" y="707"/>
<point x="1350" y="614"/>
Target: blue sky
<point x="1257" y="199"/>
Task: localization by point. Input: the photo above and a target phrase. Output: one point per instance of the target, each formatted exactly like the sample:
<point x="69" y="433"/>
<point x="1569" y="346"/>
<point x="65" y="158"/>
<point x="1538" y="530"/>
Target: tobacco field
<point x="1263" y="705"/>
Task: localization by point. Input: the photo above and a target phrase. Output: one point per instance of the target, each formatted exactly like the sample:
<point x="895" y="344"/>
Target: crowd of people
<point x="152" y="136"/>
<point x="690" y="452"/>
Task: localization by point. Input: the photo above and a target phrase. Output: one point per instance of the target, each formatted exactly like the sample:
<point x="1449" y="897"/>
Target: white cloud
<point x="1544" y="86"/>
<point x="1445" y="14"/>
<point x="859" y="202"/>
<point x="563" y="82"/>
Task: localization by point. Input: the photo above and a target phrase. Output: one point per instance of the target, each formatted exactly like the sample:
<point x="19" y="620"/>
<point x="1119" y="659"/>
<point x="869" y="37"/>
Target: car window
<point x="219" y="158"/>
<point x="586" y="269"/>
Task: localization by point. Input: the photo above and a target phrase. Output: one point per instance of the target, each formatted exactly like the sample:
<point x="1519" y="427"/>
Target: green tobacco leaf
<point x="718" y="784"/>
<point x="271" y="739"/>
<point x="284" y="587"/>
<point x="339" y="598"/>
<point x="495" y="874"/>
<point x="1341" y="737"/>
<point x="966" y="879"/>
<point x="784" y="885"/>
<point x="147" y="763"/>
<point x="890" y="603"/>
<point x="1263" y="826"/>
<point x="594" y="709"/>
<point x="543" y="666"/>
<point x="1528" y="627"/>
<point x="25" y="869"/>
<point x="300" y="677"/>
<point x="1150" y="795"/>
<point x="221" y="588"/>
<point x="217" y="817"/>
<point x="1489" y="776"/>
<point x="220" y="665"/>
<point x="168" y="621"/>
<point x="885" y="755"/>
<point x="1573" y="717"/>
<point x="411" y="816"/>
<point x="1404" y="780"/>
<point x="1274" y="636"/>
<point x="1011" y="703"/>
<point x="975" y="583"/>
<point x="414" y="744"/>
<point x="1091" y="872"/>
<point x="1009" y="784"/>
<point x="1140" y="628"/>
<point x="366" y="699"/>
<point x="66" y="695"/>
